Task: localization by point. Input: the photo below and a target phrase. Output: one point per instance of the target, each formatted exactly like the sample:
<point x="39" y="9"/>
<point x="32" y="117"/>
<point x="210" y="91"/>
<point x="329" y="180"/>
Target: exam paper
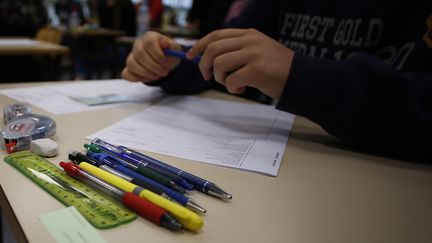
<point x="75" y="97"/>
<point x="238" y="135"/>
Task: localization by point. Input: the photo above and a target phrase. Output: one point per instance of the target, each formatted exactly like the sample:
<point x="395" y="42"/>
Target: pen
<point x="145" y="182"/>
<point x="199" y="183"/>
<point x="109" y="148"/>
<point x="135" y="181"/>
<point x="182" y="199"/>
<point x="141" y="206"/>
<point x="78" y="157"/>
<point x="187" y="218"/>
<point x="100" y="155"/>
<point x="181" y="55"/>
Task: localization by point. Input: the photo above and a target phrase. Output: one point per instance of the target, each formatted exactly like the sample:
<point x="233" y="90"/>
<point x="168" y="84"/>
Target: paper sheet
<point x="64" y="98"/>
<point x="238" y="135"/>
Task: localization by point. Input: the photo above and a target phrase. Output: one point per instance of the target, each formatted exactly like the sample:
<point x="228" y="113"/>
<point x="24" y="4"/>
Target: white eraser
<point x="44" y="147"/>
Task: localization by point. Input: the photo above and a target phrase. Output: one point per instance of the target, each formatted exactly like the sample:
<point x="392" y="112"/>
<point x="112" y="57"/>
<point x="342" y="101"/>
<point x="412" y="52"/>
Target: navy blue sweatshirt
<point x="362" y="70"/>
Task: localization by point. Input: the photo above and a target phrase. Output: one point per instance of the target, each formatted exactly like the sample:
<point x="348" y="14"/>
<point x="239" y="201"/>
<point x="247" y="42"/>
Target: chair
<point x="50" y="34"/>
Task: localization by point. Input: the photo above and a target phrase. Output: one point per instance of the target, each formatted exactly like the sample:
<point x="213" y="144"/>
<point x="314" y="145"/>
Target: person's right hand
<point x="147" y="62"/>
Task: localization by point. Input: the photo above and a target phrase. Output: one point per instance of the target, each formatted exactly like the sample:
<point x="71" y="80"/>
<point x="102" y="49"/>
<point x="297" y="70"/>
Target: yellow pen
<point x="189" y="219"/>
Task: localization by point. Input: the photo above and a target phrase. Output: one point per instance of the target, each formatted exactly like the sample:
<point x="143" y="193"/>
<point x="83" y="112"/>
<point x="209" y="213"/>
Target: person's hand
<point x="244" y="57"/>
<point x="147" y="62"/>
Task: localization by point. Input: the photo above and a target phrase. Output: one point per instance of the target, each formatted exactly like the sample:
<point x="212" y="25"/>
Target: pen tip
<point x="216" y="191"/>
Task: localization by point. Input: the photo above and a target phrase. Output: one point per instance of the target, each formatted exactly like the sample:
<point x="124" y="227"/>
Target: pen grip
<point x="143" y="207"/>
<point x="187" y="218"/>
<point x="151" y="174"/>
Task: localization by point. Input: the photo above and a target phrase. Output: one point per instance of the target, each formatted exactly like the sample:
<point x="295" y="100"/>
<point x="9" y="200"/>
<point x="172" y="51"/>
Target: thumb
<point x="165" y="43"/>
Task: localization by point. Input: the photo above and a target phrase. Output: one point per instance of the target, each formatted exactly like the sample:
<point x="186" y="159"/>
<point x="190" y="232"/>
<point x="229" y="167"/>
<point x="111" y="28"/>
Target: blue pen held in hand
<point x="181" y="55"/>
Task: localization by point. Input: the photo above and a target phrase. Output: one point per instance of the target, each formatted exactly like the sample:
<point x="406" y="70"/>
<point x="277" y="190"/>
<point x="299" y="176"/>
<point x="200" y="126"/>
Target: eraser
<point x="45" y="147"/>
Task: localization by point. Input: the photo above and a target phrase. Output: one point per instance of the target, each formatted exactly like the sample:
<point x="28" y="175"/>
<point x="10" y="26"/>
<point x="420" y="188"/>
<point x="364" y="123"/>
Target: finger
<point x="152" y="43"/>
<point x="214" y="50"/>
<point x="148" y="53"/>
<point x="240" y="90"/>
<point x="236" y="81"/>
<point x="155" y="48"/>
<point x="146" y="61"/>
<point x="228" y="63"/>
<point x="168" y="62"/>
<point x="141" y="70"/>
<point x="127" y="75"/>
<point x="201" y="44"/>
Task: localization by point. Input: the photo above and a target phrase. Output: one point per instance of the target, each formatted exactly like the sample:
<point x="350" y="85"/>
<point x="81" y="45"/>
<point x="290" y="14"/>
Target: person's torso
<point x="399" y="32"/>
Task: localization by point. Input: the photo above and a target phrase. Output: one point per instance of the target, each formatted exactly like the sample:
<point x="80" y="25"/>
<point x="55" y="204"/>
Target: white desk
<point x="324" y="193"/>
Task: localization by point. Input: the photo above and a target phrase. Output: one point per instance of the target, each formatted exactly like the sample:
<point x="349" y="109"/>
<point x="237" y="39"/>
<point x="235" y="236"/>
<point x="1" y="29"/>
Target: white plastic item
<point x="45" y="147"/>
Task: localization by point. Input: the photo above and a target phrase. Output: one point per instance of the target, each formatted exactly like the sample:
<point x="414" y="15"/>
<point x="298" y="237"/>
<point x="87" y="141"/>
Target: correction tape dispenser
<point x="21" y="130"/>
<point x="14" y="110"/>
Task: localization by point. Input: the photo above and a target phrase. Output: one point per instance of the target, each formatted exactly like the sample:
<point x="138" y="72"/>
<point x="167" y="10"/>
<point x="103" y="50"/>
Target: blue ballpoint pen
<point x="199" y="183"/>
<point x="145" y="171"/>
<point x="181" y="55"/>
<point x="185" y="201"/>
<point x="111" y="149"/>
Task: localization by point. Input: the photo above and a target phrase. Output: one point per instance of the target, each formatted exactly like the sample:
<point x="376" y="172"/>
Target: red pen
<point x="139" y="205"/>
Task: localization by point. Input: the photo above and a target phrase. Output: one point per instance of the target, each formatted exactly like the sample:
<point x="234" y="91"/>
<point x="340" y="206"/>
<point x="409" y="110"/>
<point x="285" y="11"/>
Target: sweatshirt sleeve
<point x="185" y="79"/>
<point x="364" y="102"/>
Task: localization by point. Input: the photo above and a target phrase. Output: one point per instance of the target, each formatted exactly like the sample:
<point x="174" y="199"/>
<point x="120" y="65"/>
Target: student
<point x="361" y="70"/>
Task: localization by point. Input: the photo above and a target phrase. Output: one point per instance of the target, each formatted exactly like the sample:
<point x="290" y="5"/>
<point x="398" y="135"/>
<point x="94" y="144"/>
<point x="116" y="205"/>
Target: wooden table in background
<point x="26" y="47"/>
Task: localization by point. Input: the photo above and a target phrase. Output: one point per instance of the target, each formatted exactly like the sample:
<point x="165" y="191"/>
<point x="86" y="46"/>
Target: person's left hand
<point x="244" y="57"/>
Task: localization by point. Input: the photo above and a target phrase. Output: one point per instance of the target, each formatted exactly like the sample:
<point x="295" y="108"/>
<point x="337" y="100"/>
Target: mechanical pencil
<point x="137" y="204"/>
<point x="187" y="218"/>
